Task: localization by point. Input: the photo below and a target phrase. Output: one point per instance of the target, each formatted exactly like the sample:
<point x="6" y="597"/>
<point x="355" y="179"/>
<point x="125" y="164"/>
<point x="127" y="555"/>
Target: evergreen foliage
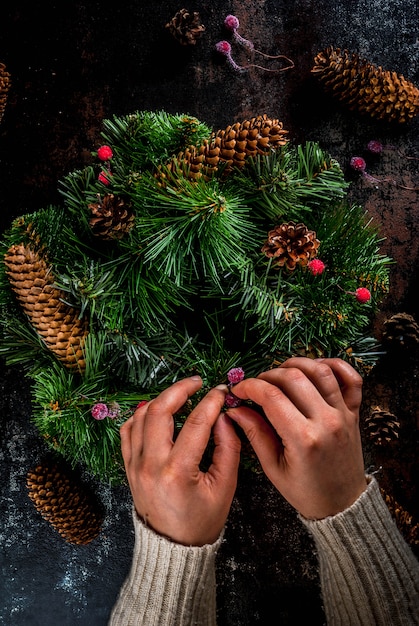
<point x="186" y="289"/>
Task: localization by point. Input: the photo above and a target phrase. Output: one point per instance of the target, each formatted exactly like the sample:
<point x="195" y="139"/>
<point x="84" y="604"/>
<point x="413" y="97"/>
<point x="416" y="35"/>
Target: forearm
<point x="369" y="575"/>
<point x="168" y="584"/>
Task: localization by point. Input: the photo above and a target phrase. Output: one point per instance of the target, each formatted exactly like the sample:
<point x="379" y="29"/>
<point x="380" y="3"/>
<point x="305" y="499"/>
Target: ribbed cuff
<point x="168" y="584"/>
<point x="369" y="575"/>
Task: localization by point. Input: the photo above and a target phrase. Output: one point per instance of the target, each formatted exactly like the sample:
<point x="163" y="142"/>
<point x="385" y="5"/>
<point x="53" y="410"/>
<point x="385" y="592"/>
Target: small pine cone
<point x="64" y="502"/>
<point x="404" y="521"/>
<point x="4" y="88"/>
<point x="291" y="244"/>
<point x="382" y="427"/>
<point x="382" y="94"/>
<point x="111" y="217"/>
<point x="186" y="27"/>
<point x="231" y="147"/>
<point x="56" y="322"/>
<point x="400" y="332"/>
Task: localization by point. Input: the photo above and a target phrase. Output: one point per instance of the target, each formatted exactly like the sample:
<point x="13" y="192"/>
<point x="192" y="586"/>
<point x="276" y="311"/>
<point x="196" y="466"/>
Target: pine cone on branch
<point x="57" y="323"/>
<point x="382" y="427"/>
<point x="360" y="85"/>
<point x="111" y="217"/>
<point x="4" y="88"/>
<point x="400" y="332"/>
<point x="291" y="244"/>
<point x="64" y="502"/>
<point x="186" y="27"/>
<point x="230" y="147"/>
<point x="408" y="527"/>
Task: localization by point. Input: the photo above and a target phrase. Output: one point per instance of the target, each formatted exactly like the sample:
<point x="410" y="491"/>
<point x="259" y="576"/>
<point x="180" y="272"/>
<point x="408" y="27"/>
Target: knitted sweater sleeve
<point x="368" y="574"/>
<point x="168" y="584"/>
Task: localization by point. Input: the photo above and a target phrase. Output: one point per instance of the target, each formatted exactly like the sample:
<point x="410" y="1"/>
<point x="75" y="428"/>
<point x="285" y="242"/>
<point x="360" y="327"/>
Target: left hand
<point x="170" y="492"/>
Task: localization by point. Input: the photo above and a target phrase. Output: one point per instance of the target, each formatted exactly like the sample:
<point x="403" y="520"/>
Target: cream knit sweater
<point x="369" y="576"/>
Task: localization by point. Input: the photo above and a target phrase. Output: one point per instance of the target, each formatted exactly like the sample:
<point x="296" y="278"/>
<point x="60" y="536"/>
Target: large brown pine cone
<point x="405" y="522"/>
<point x="4" y="88"/>
<point x="362" y="86"/>
<point x="64" y="502"/>
<point x="291" y="244"/>
<point x="231" y="147"/>
<point x="400" y="332"/>
<point x="56" y="322"/>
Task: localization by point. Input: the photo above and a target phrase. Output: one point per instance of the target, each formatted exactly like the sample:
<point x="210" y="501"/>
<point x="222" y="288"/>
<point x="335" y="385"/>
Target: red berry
<point x="104" y="177"/>
<point x="99" y="411"/>
<point x="223" y="47"/>
<point x="358" y="164"/>
<point x="362" y="294"/>
<point x="235" y="375"/>
<point x="105" y="153"/>
<point x="316" y="267"/>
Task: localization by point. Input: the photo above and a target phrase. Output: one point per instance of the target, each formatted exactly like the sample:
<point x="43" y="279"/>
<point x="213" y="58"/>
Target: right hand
<point x="310" y="445"/>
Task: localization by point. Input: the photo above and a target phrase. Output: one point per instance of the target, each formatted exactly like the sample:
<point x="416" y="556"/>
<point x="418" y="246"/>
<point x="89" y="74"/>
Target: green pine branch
<point x="288" y="182"/>
<point x="193" y="229"/>
<point x="146" y="138"/>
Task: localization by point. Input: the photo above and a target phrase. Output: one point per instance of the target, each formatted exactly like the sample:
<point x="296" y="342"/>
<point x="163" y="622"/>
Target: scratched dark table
<point x="71" y="67"/>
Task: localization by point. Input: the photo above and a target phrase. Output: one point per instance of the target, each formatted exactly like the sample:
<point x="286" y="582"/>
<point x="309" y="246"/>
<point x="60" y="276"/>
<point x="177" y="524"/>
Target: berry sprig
<point x="105" y="154"/>
<point x="234" y="376"/>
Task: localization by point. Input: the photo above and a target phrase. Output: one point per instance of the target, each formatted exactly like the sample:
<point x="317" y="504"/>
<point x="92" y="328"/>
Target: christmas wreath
<point x="182" y="250"/>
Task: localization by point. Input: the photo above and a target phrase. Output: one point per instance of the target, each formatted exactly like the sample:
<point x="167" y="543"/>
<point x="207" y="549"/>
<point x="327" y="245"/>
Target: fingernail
<point x="196" y="377"/>
<point x="222" y="387"/>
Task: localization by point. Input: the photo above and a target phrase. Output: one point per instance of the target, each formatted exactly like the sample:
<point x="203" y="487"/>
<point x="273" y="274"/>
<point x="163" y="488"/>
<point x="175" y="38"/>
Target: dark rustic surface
<point x="71" y="68"/>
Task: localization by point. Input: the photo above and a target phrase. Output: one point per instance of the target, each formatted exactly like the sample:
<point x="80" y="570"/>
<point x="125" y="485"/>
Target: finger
<point x="226" y="457"/>
<point x="158" y="419"/>
<point x="125" y="434"/>
<point x="196" y="431"/>
<point x="131" y="433"/>
<point x="262" y="437"/>
<point x="277" y="406"/>
<point x="350" y="382"/>
<point x="308" y="383"/>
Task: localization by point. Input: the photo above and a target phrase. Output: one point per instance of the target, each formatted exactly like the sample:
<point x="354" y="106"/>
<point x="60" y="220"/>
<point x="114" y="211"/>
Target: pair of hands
<point x="309" y="447"/>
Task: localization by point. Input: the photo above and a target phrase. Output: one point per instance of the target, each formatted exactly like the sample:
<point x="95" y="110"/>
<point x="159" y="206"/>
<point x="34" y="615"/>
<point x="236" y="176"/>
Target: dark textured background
<point x="74" y="65"/>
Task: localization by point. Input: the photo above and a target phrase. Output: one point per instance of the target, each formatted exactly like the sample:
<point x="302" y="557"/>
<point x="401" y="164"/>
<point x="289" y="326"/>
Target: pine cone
<point x="291" y="244"/>
<point x="56" y="322"/>
<point x="111" y="217"/>
<point x="382" y="94"/>
<point x="186" y="27"/>
<point x="400" y="332"/>
<point x="382" y="427"/>
<point x="404" y="521"/>
<point x="64" y="502"/>
<point x="4" y="88"/>
<point x="231" y="147"/>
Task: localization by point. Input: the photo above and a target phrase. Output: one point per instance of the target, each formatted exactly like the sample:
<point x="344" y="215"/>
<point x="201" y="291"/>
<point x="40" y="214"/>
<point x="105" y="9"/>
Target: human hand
<point x="310" y="445"/>
<point x="170" y="492"/>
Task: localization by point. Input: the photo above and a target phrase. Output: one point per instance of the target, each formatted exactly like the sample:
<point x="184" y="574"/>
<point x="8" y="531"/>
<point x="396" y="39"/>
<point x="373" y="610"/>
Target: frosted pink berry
<point x="105" y="153"/>
<point x="231" y="400"/>
<point x="114" y="410"/>
<point x="231" y="22"/>
<point x="362" y="294"/>
<point x="358" y="164"/>
<point x="235" y="375"/>
<point x="316" y="267"/>
<point x="99" y="411"/>
<point x="375" y="146"/>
